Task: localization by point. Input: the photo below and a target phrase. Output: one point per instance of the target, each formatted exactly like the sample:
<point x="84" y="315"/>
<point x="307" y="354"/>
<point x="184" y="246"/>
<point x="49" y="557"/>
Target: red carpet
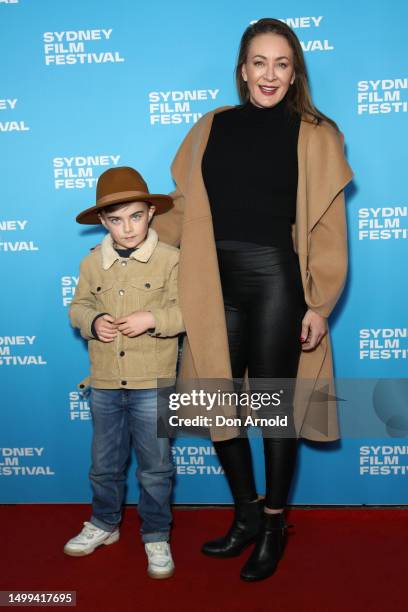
<point x="336" y="560"/>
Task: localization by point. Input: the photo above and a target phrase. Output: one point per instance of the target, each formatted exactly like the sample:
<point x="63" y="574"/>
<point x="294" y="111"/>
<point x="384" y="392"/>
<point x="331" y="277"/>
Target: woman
<point x="259" y="216"/>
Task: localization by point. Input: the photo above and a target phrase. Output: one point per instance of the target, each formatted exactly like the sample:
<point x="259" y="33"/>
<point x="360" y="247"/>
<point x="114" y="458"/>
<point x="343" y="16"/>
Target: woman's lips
<point x="268" y="91"/>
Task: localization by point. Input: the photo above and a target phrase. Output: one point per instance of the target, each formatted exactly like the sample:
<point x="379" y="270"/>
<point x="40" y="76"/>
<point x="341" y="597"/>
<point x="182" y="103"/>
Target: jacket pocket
<point x="148" y="292"/>
<point x="103" y="293"/>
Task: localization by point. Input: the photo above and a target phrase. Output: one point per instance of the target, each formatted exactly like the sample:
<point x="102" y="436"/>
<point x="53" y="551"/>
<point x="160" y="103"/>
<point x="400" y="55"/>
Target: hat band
<point x="116" y="197"/>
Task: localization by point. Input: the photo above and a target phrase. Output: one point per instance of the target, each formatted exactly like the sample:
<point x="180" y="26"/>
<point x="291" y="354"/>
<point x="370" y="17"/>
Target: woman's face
<point x="268" y="70"/>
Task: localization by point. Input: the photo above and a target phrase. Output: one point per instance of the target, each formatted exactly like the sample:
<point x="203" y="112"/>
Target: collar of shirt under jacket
<point x="143" y="253"/>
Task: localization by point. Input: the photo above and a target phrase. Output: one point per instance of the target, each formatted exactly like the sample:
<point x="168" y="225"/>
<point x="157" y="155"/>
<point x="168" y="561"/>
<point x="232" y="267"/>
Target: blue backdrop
<point x="92" y="84"/>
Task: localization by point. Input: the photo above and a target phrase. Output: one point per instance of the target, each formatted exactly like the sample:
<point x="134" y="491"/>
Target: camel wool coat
<point x="319" y="238"/>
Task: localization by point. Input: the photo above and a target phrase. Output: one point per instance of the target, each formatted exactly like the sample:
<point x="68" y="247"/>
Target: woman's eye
<point x="282" y="65"/>
<point x="258" y="63"/>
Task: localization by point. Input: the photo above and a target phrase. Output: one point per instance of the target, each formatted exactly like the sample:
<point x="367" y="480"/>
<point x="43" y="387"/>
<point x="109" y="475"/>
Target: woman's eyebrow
<point x="264" y="57"/>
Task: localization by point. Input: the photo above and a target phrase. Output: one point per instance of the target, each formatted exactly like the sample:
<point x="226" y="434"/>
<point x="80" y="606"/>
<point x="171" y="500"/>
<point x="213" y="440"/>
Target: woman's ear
<point x="244" y="73"/>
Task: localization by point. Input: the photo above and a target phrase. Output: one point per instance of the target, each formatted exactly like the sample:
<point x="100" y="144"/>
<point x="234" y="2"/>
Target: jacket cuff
<point x="168" y="322"/>
<point x="93" y="330"/>
<point x="86" y="326"/>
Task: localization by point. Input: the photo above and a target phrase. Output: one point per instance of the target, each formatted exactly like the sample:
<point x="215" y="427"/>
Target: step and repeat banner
<point x="91" y="84"/>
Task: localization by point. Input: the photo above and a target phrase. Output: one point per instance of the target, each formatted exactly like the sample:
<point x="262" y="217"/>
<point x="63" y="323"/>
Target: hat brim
<point x="90" y="216"/>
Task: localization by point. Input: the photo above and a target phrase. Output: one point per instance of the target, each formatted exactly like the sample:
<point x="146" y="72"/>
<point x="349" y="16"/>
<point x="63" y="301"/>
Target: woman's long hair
<point x="298" y="96"/>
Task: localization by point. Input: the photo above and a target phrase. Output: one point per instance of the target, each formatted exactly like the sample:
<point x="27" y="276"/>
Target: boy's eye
<point x="136" y="216"/>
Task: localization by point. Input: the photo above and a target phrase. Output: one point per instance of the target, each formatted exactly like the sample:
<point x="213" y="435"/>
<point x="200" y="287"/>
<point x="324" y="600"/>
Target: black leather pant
<point x="264" y="307"/>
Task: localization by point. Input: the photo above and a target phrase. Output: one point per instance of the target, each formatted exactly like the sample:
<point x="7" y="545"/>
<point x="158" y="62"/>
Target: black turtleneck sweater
<point x="250" y="171"/>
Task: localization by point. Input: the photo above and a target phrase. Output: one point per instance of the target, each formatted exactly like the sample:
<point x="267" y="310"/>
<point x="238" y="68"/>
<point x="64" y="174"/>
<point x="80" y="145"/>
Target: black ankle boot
<point x="268" y="549"/>
<point x="243" y="531"/>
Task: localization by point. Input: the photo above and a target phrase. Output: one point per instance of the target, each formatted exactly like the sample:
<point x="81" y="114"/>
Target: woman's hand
<point x="314" y="327"/>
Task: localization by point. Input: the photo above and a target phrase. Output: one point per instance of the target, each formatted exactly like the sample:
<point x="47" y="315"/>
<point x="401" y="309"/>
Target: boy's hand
<point x="135" y="323"/>
<point x="314" y="327"/>
<point x="105" y="328"/>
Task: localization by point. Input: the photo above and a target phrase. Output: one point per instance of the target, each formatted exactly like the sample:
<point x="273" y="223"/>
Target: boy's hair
<point x="114" y="207"/>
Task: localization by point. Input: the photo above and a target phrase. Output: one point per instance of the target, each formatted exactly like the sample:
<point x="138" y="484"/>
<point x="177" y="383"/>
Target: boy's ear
<point x="151" y="211"/>
<point x="100" y="215"/>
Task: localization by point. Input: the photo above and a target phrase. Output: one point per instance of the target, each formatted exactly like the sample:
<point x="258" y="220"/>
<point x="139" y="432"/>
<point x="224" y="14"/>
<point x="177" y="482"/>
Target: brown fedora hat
<point x="120" y="185"/>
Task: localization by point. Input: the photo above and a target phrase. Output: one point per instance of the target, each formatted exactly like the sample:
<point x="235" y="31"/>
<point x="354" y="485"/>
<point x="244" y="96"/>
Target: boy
<point x="126" y="306"/>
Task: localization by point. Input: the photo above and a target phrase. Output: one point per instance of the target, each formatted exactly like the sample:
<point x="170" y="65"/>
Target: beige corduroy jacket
<point x="147" y="280"/>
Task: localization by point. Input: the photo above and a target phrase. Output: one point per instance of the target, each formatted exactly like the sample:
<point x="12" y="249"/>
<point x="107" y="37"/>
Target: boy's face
<point x="128" y="225"/>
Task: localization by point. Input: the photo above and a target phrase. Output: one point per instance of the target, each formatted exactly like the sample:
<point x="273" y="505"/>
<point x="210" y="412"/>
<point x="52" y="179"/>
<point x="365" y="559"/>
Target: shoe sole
<point x="168" y="574"/>
<point x="83" y="553"/>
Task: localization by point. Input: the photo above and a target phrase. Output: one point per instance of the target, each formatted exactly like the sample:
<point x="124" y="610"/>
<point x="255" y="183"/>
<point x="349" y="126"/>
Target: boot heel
<point x="268" y="550"/>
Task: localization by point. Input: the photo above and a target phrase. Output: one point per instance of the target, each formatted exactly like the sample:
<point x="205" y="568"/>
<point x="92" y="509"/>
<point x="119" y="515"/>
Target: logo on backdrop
<point x="79" y="172"/>
<point x="386" y="223"/>
<point x="384" y="343"/>
<point x="382" y="96"/>
<point x="191" y="460"/>
<point x="79" y="47"/>
<point x="316" y="44"/>
<point x="174" y="107"/>
<point x="18" y="351"/>
<point x="12" y="458"/>
<point x="78" y="407"/>
<point x="383" y="460"/>
<point x="14" y="246"/>
<point x="9" y="1"/>
<point x="68" y="286"/>
<point x="9" y="123"/>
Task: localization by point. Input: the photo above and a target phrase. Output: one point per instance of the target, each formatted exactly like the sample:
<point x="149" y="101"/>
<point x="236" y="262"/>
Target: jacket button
<point x="98" y="288"/>
<point x="122" y="353"/>
<point x="124" y="382"/>
<point x="147" y="285"/>
<point x="121" y="292"/>
<point x="123" y="263"/>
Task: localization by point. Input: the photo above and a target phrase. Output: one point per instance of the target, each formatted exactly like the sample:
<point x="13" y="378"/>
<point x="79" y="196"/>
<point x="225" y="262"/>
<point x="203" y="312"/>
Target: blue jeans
<point x="123" y="418"/>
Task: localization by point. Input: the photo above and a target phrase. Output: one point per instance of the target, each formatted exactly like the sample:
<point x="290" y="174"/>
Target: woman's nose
<point x="270" y="72"/>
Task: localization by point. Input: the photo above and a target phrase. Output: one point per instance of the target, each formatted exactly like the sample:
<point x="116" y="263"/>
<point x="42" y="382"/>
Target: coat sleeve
<point x="169" y="225"/>
<point x="328" y="175"/>
<point x="169" y="321"/>
<point x="83" y="309"/>
<point x="328" y="259"/>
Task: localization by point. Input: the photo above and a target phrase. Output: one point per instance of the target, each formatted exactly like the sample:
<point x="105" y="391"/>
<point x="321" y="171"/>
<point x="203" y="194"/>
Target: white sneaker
<point x="90" y="538"/>
<point x="161" y="563"/>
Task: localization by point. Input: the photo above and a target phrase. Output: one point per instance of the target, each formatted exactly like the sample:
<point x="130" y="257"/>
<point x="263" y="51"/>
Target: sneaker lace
<point x="161" y="552"/>
<point x="89" y="530"/>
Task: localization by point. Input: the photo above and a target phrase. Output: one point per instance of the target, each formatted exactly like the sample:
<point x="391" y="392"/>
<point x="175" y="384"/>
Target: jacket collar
<point x="142" y="254"/>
